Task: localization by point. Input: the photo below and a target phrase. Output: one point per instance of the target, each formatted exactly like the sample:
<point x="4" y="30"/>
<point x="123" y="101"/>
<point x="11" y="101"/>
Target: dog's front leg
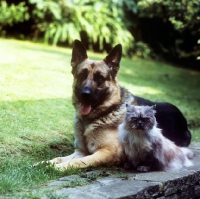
<point x="80" y="150"/>
<point x="77" y="154"/>
<point x="99" y="158"/>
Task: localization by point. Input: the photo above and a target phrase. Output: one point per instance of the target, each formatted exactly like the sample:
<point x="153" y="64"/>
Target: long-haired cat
<point x="144" y="145"/>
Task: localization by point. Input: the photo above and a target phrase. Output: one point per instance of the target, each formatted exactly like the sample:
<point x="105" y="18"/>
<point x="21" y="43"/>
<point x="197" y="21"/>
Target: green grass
<point x="36" y="114"/>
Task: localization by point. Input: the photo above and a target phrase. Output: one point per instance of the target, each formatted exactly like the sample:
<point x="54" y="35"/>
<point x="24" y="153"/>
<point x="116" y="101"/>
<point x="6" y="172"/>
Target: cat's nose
<point x="139" y="122"/>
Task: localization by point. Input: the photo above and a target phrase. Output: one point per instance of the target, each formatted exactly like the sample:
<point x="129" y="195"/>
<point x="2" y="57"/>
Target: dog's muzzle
<point x="86" y="95"/>
<point x="86" y="100"/>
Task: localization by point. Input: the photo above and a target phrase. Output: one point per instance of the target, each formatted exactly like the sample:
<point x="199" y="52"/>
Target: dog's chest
<point x="92" y="138"/>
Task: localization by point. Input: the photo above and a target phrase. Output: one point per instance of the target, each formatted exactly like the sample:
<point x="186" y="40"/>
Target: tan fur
<point x="96" y="143"/>
<point x="114" y="88"/>
<point x="101" y="149"/>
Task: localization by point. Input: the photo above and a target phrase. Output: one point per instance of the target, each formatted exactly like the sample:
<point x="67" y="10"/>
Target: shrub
<point x="12" y="14"/>
<point x="171" y="28"/>
<point x="97" y="22"/>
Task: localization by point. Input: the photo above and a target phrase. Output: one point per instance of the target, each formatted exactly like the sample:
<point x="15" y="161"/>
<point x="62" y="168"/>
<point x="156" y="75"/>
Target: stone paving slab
<point x="184" y="184"/>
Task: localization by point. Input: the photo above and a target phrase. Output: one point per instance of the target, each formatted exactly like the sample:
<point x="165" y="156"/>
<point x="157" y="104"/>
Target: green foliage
<point x="146" y="28"/>
<point x="12" y="14"/>
<point x="182" y="13"/>
<point x="141" y="50"/>
<point x="102" y="22"/>
<point x="180" y="19"/>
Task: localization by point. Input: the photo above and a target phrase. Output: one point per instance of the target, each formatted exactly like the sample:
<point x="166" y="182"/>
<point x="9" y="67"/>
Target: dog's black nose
<point x="86" y="94"/>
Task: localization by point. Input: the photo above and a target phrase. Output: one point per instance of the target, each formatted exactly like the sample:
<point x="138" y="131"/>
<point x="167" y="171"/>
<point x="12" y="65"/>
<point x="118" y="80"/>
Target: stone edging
<point x="184" y="184"/>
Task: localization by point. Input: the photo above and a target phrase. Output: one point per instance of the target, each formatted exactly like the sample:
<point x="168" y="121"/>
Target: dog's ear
<point x="113" y="59"/>
<point x="79" y="53"/>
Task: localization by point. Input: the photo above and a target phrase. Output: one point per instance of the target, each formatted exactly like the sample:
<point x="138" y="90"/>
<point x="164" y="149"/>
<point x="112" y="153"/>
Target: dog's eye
<point x="83" y="75"/>
<point x="99" y="78"/>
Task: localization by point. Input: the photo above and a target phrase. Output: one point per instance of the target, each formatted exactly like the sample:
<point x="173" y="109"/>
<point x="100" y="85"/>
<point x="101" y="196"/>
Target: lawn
<point x="36" y="114"/>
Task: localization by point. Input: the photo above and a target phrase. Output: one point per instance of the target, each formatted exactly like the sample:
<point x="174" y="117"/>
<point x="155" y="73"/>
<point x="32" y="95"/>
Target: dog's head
<point x="94" y="81"/>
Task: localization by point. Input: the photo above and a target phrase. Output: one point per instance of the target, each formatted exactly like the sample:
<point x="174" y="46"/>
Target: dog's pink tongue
<point x="85" y="110"/>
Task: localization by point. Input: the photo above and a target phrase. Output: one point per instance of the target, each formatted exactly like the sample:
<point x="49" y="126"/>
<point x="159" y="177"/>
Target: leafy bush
<point x="11" y="14"/>
<point x="98" y="22"/>
<point x="168" y="29"/>
<point x="171" y="28"/>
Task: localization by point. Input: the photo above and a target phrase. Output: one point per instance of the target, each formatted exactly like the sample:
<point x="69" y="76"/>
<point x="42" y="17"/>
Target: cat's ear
<point x="153" y="108"/>
<point x="129" y="106"/>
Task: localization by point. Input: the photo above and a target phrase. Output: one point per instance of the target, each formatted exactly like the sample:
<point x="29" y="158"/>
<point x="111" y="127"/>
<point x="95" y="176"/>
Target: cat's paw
<point x="143" y="168"/>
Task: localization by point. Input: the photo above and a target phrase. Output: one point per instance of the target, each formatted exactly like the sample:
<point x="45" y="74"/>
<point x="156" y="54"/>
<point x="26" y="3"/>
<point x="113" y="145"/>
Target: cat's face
<point x="140" y="117"/>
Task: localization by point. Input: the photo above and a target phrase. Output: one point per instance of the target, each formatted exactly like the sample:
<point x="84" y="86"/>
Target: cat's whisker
<point x="134" y="127"/>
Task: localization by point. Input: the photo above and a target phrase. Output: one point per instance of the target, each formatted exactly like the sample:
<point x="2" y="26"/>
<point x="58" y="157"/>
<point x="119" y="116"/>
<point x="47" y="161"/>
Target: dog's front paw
<point x="46" y="163"/>
<point x="54" y="161"/>
<point x="61" y="167"/>
<point x="64" y="166"/>
<point x="75" y="163"/>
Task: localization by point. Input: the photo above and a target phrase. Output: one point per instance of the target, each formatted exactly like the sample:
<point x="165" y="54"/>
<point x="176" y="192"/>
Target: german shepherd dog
<point x="100" y="106"/>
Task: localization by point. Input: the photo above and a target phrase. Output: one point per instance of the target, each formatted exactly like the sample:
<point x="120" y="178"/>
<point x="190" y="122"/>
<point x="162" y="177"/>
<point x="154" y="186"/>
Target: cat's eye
<point x="134" y="118"/>
<point x="146" y="119"/>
